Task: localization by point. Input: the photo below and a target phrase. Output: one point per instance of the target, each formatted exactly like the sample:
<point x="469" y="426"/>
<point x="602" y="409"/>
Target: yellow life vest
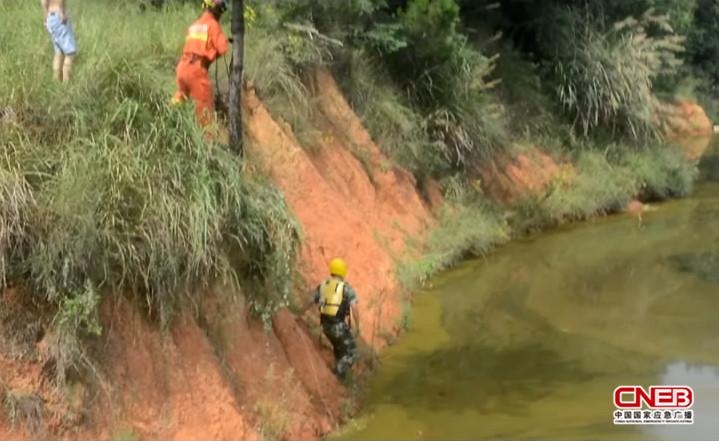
<point x="331" y="296"/>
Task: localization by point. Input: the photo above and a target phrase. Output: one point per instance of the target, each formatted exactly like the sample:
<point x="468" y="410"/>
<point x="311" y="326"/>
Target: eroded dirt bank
<point x="217" y="374"/>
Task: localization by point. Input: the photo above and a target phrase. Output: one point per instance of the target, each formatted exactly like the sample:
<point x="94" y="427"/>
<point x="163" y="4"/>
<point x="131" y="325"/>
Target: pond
<point x="531" y="341"/>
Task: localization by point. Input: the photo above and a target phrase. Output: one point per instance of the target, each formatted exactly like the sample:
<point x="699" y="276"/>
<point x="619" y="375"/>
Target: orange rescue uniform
<point x="204" y="43"/>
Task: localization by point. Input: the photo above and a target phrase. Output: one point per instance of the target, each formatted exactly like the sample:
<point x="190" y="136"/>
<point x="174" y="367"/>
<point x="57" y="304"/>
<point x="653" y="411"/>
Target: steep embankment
<point x="362" y="210"/>
<point x="217" y="374"/>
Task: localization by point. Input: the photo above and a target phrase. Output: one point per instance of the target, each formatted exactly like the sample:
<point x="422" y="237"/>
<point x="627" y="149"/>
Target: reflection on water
<point x="706" y="403"/>
<point x="703" y="265"/>
<point x="531" y="342"/>
<point x="710" y="168"/>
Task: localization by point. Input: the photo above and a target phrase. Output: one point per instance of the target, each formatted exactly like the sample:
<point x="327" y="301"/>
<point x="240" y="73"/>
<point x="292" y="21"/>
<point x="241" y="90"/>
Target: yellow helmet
<point x="338" y="267"/>
<point x="221" y="5"/>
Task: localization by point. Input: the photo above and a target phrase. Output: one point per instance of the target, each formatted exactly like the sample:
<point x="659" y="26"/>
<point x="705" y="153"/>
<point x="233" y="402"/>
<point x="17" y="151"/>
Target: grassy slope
<point x="104" y="187"/>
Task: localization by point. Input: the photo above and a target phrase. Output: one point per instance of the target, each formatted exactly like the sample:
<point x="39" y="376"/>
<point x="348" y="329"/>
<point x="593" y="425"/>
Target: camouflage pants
<point x="344" y="344"/>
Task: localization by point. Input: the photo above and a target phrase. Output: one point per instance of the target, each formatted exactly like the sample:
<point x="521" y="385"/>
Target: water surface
<point x="530" y="342"/>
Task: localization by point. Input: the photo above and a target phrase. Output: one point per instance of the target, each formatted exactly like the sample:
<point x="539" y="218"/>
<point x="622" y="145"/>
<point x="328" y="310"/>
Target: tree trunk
<point x="238" y="53"/>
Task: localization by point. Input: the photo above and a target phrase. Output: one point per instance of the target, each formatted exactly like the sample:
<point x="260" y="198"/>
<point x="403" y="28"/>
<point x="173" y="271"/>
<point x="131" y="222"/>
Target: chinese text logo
<point x="658" y="405"/>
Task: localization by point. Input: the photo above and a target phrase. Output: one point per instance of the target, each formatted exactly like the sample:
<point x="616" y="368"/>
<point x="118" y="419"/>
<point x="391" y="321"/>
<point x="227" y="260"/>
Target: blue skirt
<point x="61" y="34"/>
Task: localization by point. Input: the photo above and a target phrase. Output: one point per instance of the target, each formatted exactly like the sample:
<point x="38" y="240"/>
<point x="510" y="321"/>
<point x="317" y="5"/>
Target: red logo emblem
<point x="658" y="397"/>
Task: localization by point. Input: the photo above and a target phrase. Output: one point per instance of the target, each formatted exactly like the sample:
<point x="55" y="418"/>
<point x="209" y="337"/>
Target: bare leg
<point x="57" y="64"/>
<point x="67" y="67"/>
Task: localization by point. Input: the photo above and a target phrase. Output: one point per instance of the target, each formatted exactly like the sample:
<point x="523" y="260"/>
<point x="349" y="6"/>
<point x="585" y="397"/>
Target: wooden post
<point x="238" y="53"/>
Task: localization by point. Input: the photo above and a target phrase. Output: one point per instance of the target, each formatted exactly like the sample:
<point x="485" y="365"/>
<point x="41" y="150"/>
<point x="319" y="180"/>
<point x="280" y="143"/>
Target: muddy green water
<point x="530" y="342"/>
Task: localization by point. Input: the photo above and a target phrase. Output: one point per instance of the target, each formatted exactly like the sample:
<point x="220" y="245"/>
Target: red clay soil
<point x="277" y="370"/>
<point x="684" y="118"/>
<point x="361" y="211"/>
<point x="169" y="386"/>
<point x="508" y="178"/>
<point x="22" y="377"/>
<point x="225" y="380"/>
<point x="218" y="374"/>
<point x="688" y="125"/>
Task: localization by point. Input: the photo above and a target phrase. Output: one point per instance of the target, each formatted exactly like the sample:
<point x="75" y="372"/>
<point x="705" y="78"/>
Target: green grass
<point x="126" y="435"/>
<point x="399" y="130"/>
<point x="107" y="190"/>
<point x="661" y="172"/>
<point x="429" y="143"/>
<point x="280" y="57"/>
<point x="405" y="320"/>
<point x="602" y="182"/>
<point x="600" y="187"/>
<point x="467" y="229"/>
<point x="275" y="411"/>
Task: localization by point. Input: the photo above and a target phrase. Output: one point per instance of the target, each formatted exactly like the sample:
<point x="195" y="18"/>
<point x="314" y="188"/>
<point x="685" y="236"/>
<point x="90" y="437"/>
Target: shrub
<point x="680" y="13"/>
<point x="703" y="40"/>
<point x="531" y="111"/>
<point x="449" y="80"/>
<point x="661" y="172"/>
<point x="605" y="78"/>
<point x="438" y="66"/>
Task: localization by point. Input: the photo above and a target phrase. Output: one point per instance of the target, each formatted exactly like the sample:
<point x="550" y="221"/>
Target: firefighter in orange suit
<point x="204" y="43"/>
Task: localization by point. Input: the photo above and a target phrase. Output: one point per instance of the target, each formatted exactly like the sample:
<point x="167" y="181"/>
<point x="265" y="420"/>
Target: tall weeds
<point x="105" y="189"/>
<point x="606" y="77"/>
<point x="400" y="130"/>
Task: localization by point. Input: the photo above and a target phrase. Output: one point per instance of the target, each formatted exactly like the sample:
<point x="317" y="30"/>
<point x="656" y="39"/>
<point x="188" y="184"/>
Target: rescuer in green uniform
<point x="337" y="303"/>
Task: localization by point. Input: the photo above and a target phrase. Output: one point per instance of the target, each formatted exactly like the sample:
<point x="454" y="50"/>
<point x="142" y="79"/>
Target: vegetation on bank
<point x="106" y="190"/>
<point x="598" y="183"/>
<point x="445" y="85"/>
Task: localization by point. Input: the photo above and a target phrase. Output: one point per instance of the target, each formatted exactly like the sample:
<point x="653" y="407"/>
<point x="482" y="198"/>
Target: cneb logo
<point x="658" y="397"/>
